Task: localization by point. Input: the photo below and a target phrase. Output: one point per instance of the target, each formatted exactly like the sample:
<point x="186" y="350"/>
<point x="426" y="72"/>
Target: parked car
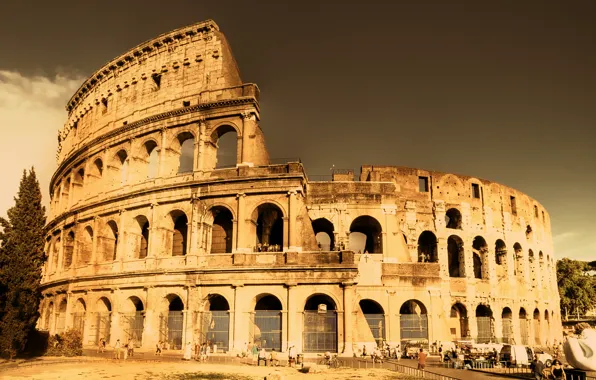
<point x="517" y="355"/>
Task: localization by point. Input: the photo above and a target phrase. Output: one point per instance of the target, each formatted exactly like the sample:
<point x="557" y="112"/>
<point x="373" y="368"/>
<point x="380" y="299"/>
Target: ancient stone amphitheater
<point x="152" y="235"/>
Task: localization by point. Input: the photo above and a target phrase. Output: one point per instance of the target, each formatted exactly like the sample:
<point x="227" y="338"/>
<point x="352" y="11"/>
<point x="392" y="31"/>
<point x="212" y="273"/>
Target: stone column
<point x="200" y="149"/>
<point x="237" y="330"/>
<point x="241" y="245"/>
<point x="443" y="257"/>
<point x="291" y="327"/>
<point x="115" y="332"/>
<point x="70" y="191"/>
<point x="150" y="328"/>
<point x="348" y="293"/>
<point x="286" y="221"/>
<point x="121" y="248"/>
<point x="68" y="317"/>
<point x="292" y="230"/>
<point x="61" y="253"/>
<point x="96" y="228"/>
<point x="162" y="153"/>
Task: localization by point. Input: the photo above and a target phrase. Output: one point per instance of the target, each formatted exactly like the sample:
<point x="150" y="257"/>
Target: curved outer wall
<point x="151" y="237"/>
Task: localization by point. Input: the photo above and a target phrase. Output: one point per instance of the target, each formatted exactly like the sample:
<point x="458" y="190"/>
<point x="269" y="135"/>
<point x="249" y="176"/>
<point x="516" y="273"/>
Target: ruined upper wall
<point x="168" y="72"/>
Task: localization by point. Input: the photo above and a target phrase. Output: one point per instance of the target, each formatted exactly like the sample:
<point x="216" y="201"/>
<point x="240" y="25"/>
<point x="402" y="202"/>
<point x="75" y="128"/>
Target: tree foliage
<point x="21" y="260"/>
<point x="576" y="287"/>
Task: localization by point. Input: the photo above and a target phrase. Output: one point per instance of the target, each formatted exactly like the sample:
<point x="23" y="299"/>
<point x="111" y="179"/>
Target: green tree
<point x="21" y="260"/>
<point x="576" y="288"/>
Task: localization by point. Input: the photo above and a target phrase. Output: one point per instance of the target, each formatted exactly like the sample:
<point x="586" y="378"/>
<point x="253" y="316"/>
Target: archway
<point x="484" y="322"/>
<point x="269" y="228"/>
<point x="267" y="323"/>
<point x="519" y="260"/>
<point x="179" y="222"/>
<point x="133" y="320"/>
<point x="109" y="242"/>
<point x="225" y="140"/>
<point x="537" y="332"/>
<point x="102" y="321"/>
<point x="323" y="230"/>
<point x="215" y="322"/>
<point x="455" y="253"/>
<point x="413" y="320"/>
<point x="458" y="322"/>
<point x="524" y="330"/>
<point x="375" y="316"/>
<point x="507" y="325"/>
<point x="427" y="248"/>
<point x="140" y="235"/>
<point x="480" y="249"/>
<point x="366" y="235"/>
<point x="187" y="152"/>
<point x="86" y="246"/>
<point x="453" y="218"/>
<point x="320" y="324"/>
<point x="172" y="323"/>
<point x="501" y="255"/>
<point x="49" y="315"/>
<point x="56" y="253"/>
<point x="119" y="168"/>
<point x="152" y="157"/>
<point x="69" y="243"/>
<point x="222" y="230"/>
<point x="78" y="317"/>
<point x="61" y="317"/>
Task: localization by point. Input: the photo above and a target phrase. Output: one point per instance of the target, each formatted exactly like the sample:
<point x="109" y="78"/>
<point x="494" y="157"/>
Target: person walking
<point x="440" y="353"/>
<point x="538" y="369"/>
<point x="262" y="357"/>
<point x="255" y="352"/>
<point x="126" y="351"/>
<point x="422" y="359"/>
<point x="557" y="371"/>
<point x="291" y="356"/>
<point x="158" y="348"/>
<point x="131" y="347"/>
<point x="117" y="349"/>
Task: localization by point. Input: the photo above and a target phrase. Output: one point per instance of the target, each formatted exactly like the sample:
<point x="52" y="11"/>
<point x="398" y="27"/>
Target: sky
<point x="502" y="90"/>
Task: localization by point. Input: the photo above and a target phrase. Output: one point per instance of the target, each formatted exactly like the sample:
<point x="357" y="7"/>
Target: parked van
<point x="516" y="355"/>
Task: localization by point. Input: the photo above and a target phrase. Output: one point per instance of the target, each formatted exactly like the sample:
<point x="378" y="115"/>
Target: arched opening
<point x="225" y="140"/>
<point x="269" y="228"/>
<point x="480" y="249"/>
<point x="427" y="248"/>
<point x="109" y="242"/>
<point x="172" y="323"/>
<point x="56" y="253"/>
<point x="323" y="230"/>
<point x="453" y="218"/>
<point x="548" y="333"/>
<point x="140" y="236"/>
<point x="222" y="230"/>
<point x="179" y="233"/>
<point x="132" y="319"/>
<point x="78" y="317"/>
<point x="69" y="242"/>
<point x="65" y="193"/>
<point x="320" y="324"/>
<point x="187" y="152"/>
<point x="48" y="318"/>
<point x="519" y="260"/>
<point x="61" y="317"/>
<point x="524" y="330"/>
<point x="529" y="232"/>
<point x="501" y="253"/>
<point x="537" y="332"/>
<point x="533" y="268"/>
<point x="78" y="183"/>
<point x="103" y="321"/>
<point x="366" y="235"/>
<point x="484" y="322"/>
<point x="455" y="256"/>
<point x="215" y="322"/>
<point x="375" y="317"/>
<point x="121" y="164"/>
<point x="152" y="159"/>
<point x="507" y="325"/>
<point x="266" y="331"/>
<point x="413" y="320"/>
<point x="97" y="168"/>
<point x="458" y="322"/>
<point x="86" y="246"/>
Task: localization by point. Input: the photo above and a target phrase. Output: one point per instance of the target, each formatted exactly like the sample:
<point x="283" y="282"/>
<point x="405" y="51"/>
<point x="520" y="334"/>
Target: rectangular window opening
<point x="536" y="211"/>
<point x="186" y="103"/>
<point x="423" y="184"/>
<point x="543" y="218"/>
<point x="476" y="190"/>
<point x="157" y="79"/>
<point x="513" y="205"/>
<point x="104" y="102"/>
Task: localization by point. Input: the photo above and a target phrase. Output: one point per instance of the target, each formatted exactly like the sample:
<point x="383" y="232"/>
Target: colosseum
<point x="152" y="235"/>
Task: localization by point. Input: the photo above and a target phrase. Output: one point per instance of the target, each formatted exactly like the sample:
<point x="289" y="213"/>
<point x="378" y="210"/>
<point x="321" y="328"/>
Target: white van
<point x="516" y="355"/>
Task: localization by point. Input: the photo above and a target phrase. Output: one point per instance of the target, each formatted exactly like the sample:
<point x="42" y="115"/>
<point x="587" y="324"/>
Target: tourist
<point x="440" y="353"/>
<point x="126" y="351"/>
<point x="262" y="357"/>
<point x="291" y="356"/>
<point x="158" y="348"/>
<point x="273" y="358"/>
<point x="422" y="359"/>
<point x="197" y="350"/>
<point x="255" y="352"/>
<point x="363" y="351"/>
<point x="187" y="351"/>
<point x="101" y="346"/>
<point x="538" y="368"/>
<point x="131" y="347"/>
<point x="557" y="371"/>
<point x="117" y="349"/>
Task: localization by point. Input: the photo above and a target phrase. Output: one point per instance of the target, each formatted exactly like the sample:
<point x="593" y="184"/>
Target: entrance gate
<point x="267" y="329"/>
<point x="170" y="329"/>
<point x="507" y="330"/>
<point x="484" y="329"/>
<point x="413" y="326"/>
<point x="132" y="324"/>
<point x="78" y="322"/>
<point x="376" y="323"/>
<point x="100" y="328"/>
<point x="320" y="331"/>
<point x="215" y="328"/>
<point x="523" y="331"/>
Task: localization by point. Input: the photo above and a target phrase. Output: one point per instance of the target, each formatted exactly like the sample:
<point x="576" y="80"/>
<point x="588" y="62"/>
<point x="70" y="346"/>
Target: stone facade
<point x="150" y="238"/>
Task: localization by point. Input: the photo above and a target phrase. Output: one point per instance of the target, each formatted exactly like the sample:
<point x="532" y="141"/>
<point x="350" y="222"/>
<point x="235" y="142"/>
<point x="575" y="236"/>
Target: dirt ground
<point x="142" y="370"/>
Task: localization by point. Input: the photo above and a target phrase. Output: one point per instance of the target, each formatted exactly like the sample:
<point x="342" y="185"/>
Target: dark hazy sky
<point x="502" y="90"/>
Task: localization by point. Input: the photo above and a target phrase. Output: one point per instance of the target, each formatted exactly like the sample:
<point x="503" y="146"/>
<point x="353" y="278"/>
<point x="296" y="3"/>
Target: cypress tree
<point x="21" y="261"/>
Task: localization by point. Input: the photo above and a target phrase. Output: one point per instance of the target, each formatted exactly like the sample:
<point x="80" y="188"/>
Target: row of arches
<point x="144" y="161"/>
<point x="366" y="235"/>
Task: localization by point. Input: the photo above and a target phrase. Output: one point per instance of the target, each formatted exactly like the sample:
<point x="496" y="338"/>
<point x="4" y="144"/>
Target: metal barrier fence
<point x="132" y="324"/>
<point x="413" y="326"/>
<point x="320" y="331"/>
<point x="376" y="323"/>
<point x="267" y="325"/>
<point x="215" y="327"/>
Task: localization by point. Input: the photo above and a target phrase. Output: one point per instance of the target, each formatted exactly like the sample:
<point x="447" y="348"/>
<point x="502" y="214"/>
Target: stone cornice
<point x="245" y="100"/>
<point x="136" y="53"/>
